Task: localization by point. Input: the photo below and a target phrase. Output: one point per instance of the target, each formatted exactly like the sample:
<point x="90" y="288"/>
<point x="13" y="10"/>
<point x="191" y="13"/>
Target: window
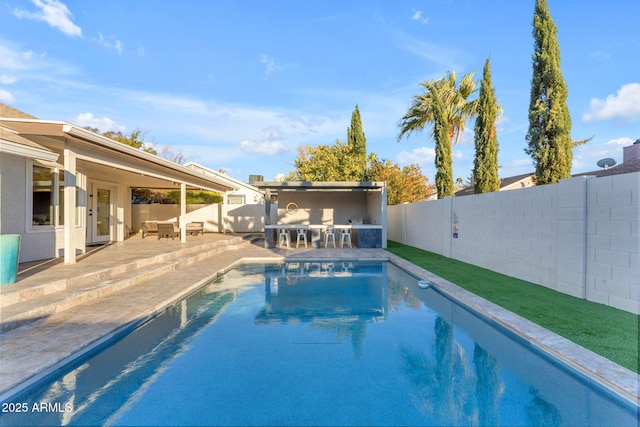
<point x="61" y="198"/>
<point x="42" y="188"/>
<point x="47" y="189"/>
<point x="235" y="199"/>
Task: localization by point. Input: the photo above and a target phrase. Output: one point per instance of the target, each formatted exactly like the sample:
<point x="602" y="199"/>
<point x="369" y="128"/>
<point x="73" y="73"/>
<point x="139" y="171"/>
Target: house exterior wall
<point x="248" y="218"/>
<point x="36" y="243"/>
<point x="13" y="182"/>
<point x="579" y="237"/>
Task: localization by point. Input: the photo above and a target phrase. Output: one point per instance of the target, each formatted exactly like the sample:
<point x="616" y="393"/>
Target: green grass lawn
<point x="607" y="331"/>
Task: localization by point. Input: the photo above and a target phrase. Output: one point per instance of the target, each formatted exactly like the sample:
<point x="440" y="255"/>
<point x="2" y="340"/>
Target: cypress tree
<point x="357" y="146"/>
<point x="549" y="135"/>
<point x="485" y="165"/>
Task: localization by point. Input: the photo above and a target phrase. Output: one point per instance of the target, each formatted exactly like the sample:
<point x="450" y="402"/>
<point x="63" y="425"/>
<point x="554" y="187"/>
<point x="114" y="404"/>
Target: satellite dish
<point x="606" y="163"/>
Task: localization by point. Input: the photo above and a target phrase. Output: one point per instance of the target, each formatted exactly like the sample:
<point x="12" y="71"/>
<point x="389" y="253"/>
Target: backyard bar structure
<point x="315" y="207"/>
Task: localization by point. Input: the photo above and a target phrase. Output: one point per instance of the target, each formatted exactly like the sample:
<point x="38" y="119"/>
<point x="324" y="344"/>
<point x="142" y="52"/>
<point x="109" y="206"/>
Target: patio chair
<point x="195" y="227"/>
<point x="167" y="230"/>
<point x="149" y="227"/>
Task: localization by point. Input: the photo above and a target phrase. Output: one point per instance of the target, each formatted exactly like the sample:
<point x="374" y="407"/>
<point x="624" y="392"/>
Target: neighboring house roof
<point x="509" y="183"/>
<point x="239" y="184"/>
<point x="630" y="166"/>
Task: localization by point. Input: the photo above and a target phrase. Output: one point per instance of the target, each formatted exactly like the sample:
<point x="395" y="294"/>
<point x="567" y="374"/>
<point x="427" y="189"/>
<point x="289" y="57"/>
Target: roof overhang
<point x="319" y="186"/>
<point x="97" y="148"/>
<point x="12" y="143"/>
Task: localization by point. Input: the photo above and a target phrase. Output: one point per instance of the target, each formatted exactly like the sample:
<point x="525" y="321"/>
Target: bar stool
<point x="345" y="234"/>
<point x="302" y="235"/>
<point x="329" y="234"/>
<point x="283" y="235"/>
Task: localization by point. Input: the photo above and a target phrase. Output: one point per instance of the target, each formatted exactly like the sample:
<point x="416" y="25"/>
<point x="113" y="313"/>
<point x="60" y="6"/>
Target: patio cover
<point x="73" y="146"/>
<point x="273" y="187"/>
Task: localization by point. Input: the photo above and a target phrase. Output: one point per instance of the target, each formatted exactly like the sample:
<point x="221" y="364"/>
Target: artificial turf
<point x="605" y="330"/>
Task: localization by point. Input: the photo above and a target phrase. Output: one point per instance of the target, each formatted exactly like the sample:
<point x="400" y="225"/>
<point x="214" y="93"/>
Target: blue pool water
<point x="317" y="343"/>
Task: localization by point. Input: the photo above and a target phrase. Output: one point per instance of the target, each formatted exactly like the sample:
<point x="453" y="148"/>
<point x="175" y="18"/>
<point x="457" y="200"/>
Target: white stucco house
<point x="63" y="187"/>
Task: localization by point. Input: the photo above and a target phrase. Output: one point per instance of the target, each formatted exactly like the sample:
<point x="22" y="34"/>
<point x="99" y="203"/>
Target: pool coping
<point x="593" y="367"/>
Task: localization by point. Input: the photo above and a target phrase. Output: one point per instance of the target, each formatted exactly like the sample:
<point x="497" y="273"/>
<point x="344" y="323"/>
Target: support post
<point x="183" y="212"/>
<point x="69" y="212"/>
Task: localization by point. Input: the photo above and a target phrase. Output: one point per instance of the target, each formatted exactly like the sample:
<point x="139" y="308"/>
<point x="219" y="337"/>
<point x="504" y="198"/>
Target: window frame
<point x="57" y="195"/>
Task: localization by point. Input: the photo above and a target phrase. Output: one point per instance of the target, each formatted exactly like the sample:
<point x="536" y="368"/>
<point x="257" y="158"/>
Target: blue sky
<point x="238" y="85"/>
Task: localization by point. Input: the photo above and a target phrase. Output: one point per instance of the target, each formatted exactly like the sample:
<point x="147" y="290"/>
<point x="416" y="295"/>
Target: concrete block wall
<point x="612" y="255"/>
<point x="579" y="237"/>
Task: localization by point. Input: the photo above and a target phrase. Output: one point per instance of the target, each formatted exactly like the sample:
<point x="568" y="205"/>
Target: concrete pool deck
<point x="122" y="284"/>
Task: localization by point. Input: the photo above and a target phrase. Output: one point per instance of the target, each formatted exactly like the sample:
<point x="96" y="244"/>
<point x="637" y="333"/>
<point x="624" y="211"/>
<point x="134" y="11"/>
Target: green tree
<point x="357" y="148"/>
<point x="135" y="139"/>
<point x="338" y="162"/>
<point x="549" y="135"/>
<point x="406" y="184"/>
<point x="145" y="196"/>
<point x="444" y="158"/>
<point x="445" y="104"/>
<point x="485" y="165"/>
<point x="321" y="163"/>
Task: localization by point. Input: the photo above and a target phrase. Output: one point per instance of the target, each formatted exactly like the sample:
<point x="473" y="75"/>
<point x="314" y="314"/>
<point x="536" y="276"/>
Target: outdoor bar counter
<point x="364" y="235"/>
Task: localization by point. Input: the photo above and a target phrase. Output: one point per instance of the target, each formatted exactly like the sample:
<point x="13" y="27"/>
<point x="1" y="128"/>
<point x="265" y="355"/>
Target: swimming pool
<point x="317" y="343"/>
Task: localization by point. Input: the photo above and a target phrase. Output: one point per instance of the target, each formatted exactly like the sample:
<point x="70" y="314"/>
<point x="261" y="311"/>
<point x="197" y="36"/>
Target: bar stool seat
<point x="302" y="235"/>
<point x="345" y="235"/>
<point x="329" y="235"/>
<point x="284" y="237"/>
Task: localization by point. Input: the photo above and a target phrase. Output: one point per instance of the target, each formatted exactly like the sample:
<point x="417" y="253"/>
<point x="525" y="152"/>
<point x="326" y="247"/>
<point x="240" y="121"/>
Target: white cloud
<point x="103" y="124"/>
<point x="54" y="13"/>
<point x="439" y="55"/>
<point x="6" y="97"/>
<point x="625" y="105"/>
<point x="458" y="155"/>
<point x="270" y="145"/>
<point x="111" y="43"/>
<point x="264" y="148"/>
<point x="17" y="65"/>
<point x="417" y="16"/>
<point x="7" y="80"/>
<point x="270" y="64"/>
<point x="11" y="59"/>
<point x="585" y="157"/>
<point x="417" y="155"/>
<point x="620" y="142"/>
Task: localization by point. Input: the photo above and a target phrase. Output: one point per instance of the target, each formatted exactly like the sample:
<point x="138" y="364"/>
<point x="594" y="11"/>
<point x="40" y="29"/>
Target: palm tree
<point x="446" y="105"/>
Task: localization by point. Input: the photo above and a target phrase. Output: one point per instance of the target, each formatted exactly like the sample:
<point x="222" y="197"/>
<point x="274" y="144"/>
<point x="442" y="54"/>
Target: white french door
<point x="101" y="214"/>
